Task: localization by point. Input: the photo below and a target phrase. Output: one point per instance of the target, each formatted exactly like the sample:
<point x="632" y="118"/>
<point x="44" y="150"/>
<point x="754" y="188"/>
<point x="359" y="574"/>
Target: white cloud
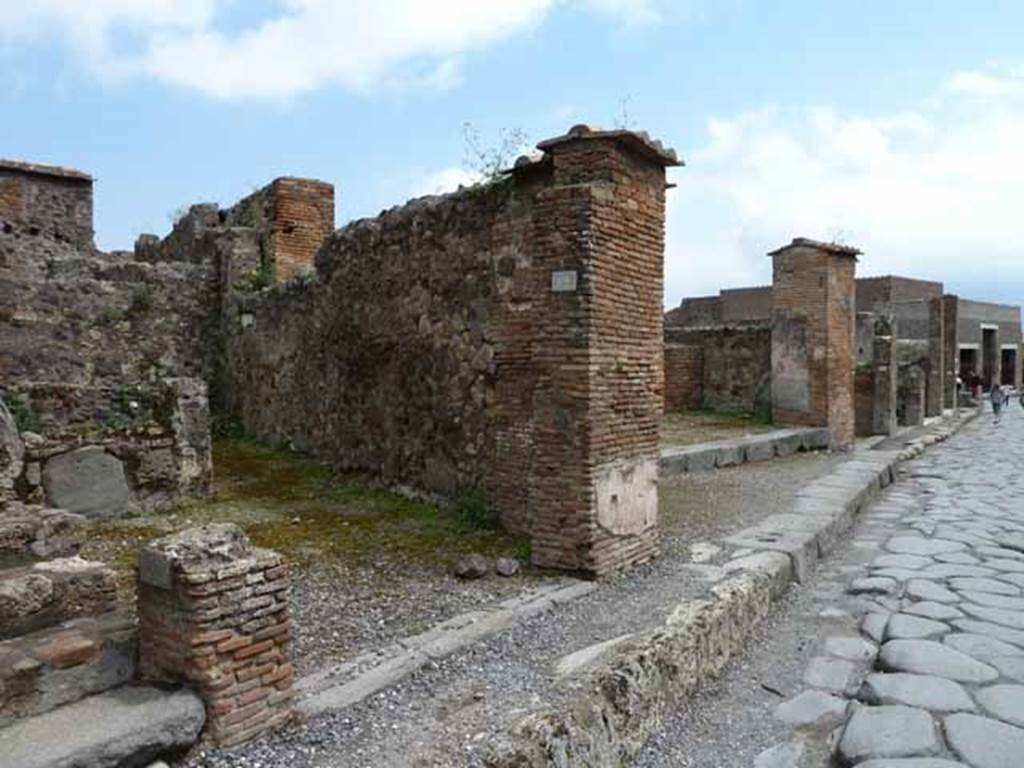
<point x="931" y="192"/>
<point x="445" y="180"/>
<point x="305" y="45"/>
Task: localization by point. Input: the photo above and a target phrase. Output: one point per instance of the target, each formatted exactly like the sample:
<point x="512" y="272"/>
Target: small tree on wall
<point x="488" y="161"/>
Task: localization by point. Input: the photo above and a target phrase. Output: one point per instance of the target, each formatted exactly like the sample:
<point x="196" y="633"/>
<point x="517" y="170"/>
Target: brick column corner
<point x="598" y="244"/>
<point x="935" y="393"/>
<point x="213" y="613"/>
<point x="813" y="314"/>
<point x="950" y="349"/>
<point x="302" y="216"/>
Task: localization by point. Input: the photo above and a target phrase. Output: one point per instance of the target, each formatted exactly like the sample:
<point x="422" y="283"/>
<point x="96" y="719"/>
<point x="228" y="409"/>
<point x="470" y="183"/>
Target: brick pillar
<point x="813" y="337"/>
<point x="885" y="384"/>
<point x="595" y="369"/>
<point x="950" y="349"/>
<point x="934" y="397"/>
<point x="302" y="216"/>
<point x="213" y="612"/>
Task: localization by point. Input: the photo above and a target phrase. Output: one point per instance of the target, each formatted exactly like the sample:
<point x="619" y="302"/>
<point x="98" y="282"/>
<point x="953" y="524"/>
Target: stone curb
<point x="349" y="683"/>
<point x="628" y="696"/>
<point x="730" y="453"/>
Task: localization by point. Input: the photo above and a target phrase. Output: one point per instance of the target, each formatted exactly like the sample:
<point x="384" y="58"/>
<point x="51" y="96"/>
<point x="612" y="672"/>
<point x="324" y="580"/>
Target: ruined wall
<point x="736" y="365"/>
<point x="746" y="304"/>
<point x="872" y="291"/>
<point x="46" y="202"/>
<point x="699" y="310"/>
<point x="684" y="376"/>
<point x="293" y="217"/>
<point x="100" y="360"/>
<point x="506" y="336"/>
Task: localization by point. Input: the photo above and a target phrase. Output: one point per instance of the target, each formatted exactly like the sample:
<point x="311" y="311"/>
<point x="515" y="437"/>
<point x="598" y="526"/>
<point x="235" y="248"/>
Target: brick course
<point x="684" y="376"/>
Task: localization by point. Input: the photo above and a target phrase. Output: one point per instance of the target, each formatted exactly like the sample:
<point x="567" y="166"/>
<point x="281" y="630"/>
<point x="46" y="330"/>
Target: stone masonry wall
<point x="47" y="202"/>
<point x="736" y="365"/>
<point x="507" y="337"/>
<point x="684" y="376"/>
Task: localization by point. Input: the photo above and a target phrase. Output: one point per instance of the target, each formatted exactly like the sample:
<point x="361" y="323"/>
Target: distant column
<point x="950" y="349"/>
<point x="813" y="337"/>
<point x="935" y="396"/>
<point x="884" y="411"/>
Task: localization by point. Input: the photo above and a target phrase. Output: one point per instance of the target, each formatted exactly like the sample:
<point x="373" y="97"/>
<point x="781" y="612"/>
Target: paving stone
<point x="888" y="731"/>
<point x="933" y="610"/>
<point x="984" y="585"/>
<point x="976" y="627"/>
<point x="1007" y="618"/>
<point x="812" y="708"/>
<point x="911" y="562"/>
<point x="960" y="558"/>
<point x="917" y="545"/>
<point x="1010" y="667"/>
<point x="873" y="625"/>
<point x="949" y="570"/>
<point x="851" y="648"/>
<point x="902" y="626"/>
<point x="899" y="574"/>
<point x="994" y="601"/>
<point x="983" y="742"/>
<point x="1013" y="578"/>
<point x="926" y="590"/>
<point x="927" y="657"/>
<point x="1005" y="702"/>
<point x="126" y="726"/>
<point x="874" y="585"/>
<point x="785" y="755"/>
<point x="1000" y="552"/>
<point x="912" y="762"/>
<point x="979" y="646"/>
<point x="1008" y="566"/>
<point x="926" y="691"/>
<point x="832" y="674"/>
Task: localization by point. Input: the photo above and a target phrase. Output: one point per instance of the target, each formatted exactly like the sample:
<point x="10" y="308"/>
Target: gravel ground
<point x="445" y="714"/>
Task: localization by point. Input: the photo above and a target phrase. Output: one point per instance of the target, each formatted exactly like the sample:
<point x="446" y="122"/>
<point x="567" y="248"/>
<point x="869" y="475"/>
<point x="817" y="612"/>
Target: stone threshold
<point x="632" y="688"/>
<point x="342" y="685"/>
<point x="779" y="443"/>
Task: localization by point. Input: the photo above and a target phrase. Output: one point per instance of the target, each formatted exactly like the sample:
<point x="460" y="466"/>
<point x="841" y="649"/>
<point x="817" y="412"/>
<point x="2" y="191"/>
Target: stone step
<point x="128" y="726"/>
<point x="50" y="592"/>
<point x="60" y="665"/>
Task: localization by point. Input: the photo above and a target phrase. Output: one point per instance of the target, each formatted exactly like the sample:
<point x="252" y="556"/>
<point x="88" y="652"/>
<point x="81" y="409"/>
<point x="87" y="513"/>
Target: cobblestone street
<point x="907" y="650"/>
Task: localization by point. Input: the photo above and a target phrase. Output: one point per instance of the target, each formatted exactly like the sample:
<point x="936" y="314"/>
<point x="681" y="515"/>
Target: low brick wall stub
<point x="213" y="613"/>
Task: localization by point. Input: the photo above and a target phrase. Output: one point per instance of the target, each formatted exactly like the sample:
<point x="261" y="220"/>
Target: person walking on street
<point x="998" y="400"/>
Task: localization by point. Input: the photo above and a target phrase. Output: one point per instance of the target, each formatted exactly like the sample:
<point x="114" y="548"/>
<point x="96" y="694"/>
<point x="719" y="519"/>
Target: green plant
<point x="25" y="416"/>
<point x="108" y="315"/>
<point x="141" y="303"/>
<point x="488" y="162"/>
<point x="473" y="510"/>
<point x="255" y="279"/>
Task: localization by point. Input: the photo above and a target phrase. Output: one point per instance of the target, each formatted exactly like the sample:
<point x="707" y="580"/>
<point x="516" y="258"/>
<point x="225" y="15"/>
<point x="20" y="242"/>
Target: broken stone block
<point x="506" y="566"/>
<point x="88" y="481"/>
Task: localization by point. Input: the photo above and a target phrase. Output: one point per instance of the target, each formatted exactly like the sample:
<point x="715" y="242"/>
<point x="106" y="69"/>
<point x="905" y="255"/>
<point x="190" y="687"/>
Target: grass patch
<point x="316" y="518"/>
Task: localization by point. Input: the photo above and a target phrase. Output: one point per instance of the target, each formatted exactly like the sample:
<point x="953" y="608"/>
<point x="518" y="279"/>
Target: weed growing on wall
<point x="474" y="510"/>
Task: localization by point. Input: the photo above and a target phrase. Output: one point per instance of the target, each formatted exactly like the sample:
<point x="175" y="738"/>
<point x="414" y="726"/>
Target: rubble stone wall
<point x="736" y="365"/>
<point x="505" y="337"/>
<point x="46" y="202"/>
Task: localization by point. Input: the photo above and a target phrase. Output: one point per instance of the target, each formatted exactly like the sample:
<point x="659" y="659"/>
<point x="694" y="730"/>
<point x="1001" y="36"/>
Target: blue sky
<point x="894" y="126"/>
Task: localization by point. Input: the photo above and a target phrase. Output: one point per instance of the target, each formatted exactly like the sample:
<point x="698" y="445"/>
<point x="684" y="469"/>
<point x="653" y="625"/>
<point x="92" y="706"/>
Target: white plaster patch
<point x="627" y="496"/>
